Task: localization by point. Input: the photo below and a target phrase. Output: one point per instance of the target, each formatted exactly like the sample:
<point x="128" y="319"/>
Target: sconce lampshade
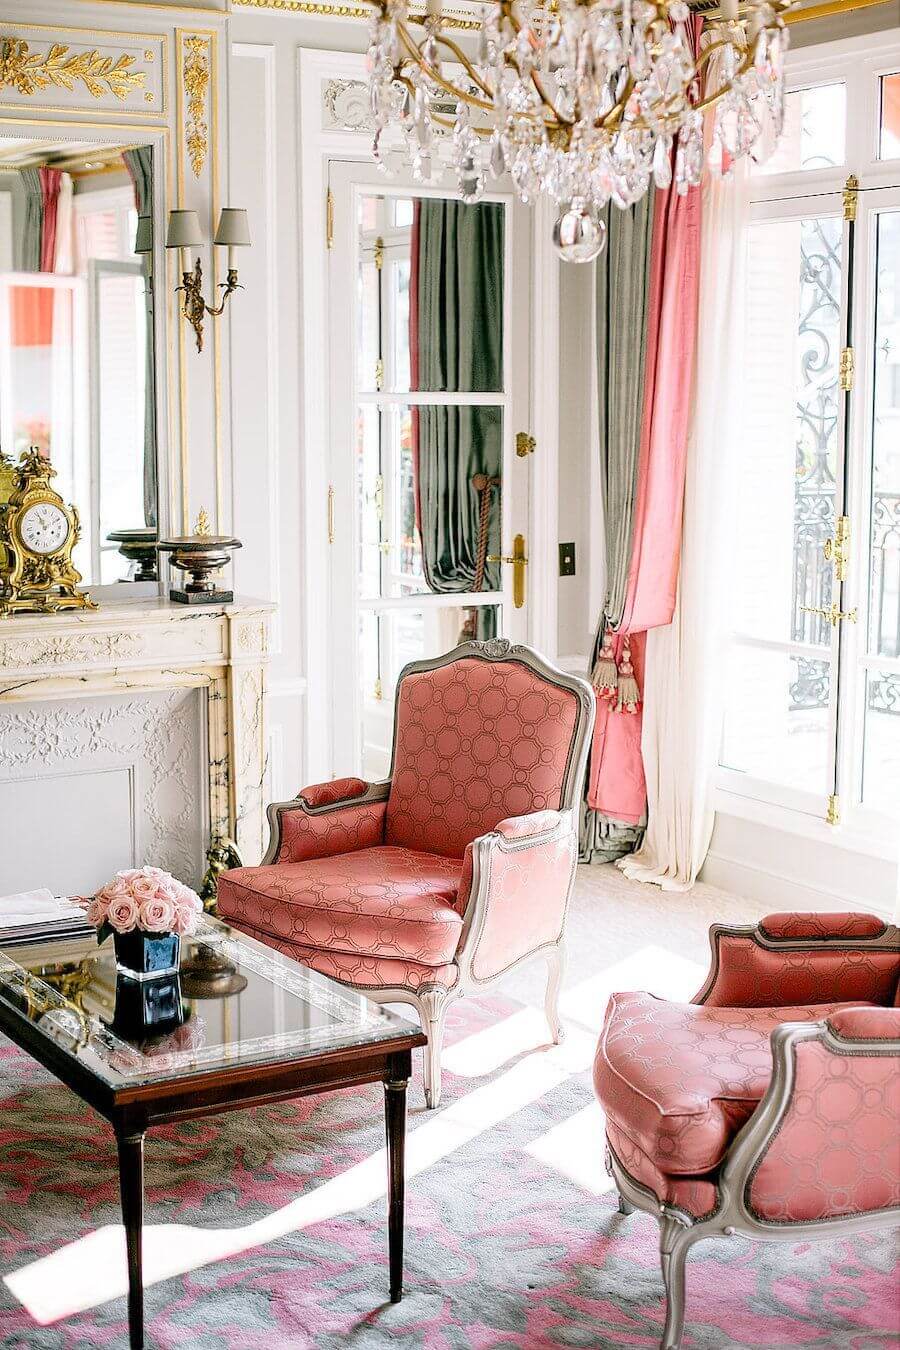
<point x="233" y="228"/>
<point x="184" y="230"/>
<point x="143" y="239"/>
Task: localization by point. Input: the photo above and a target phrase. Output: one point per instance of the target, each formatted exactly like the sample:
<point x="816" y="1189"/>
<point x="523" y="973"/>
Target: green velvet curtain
<point x="139" y="163"/>
<point x="622" y="302"/>
<point x="457" y="333"/>
<point x="33" y="222"/>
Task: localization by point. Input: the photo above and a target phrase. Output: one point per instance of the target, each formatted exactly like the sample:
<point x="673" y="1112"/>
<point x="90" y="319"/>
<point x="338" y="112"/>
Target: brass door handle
<point x="833" y="615"/>
<point x="518" y="561"/>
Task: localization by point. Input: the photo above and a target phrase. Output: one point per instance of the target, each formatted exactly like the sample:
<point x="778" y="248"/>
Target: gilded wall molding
<point x="30" y="72"/>
<point x="451" y="19"/>
<point x="196" y="71"/>
<point x="81" y="70"/>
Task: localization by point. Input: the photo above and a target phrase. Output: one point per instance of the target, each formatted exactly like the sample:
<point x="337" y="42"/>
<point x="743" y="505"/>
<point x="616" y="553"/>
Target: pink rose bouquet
<point x="147" y="899"/>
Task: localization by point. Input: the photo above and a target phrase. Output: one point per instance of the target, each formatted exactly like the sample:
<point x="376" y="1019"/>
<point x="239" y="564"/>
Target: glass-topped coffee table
<point x="253" y="1027"/>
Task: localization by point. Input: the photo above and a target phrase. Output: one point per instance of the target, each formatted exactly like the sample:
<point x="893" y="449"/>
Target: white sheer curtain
<point x="685" y="661"/>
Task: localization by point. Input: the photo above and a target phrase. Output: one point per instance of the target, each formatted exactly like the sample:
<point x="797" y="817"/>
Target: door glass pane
<point x="881" y="748"/>
<point x="427" y="473"/>
<point x="776" y="718"/>
<point x="889" y="139"/>
<point x="789" y="457"/>
<point x="814" y="131"/>
<point x="884" y="609"/>
<point x="388" y="640"/>
<point x="431" y="295"/>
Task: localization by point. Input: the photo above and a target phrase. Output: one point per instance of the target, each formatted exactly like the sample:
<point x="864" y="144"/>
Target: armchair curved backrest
<point x="485" y="732"/>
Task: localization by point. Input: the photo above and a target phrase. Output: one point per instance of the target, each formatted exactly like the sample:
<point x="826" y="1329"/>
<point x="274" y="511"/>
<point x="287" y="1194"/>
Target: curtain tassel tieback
<point x="605" y="675"/>
<point x="629" y="696"/>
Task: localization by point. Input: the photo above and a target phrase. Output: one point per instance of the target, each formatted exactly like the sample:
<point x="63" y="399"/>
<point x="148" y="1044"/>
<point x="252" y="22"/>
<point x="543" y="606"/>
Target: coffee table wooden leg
<point x="395" y="1129"/>
<point x="131" y="1188"/>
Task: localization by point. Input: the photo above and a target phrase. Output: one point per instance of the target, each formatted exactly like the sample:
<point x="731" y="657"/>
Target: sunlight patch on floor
<point x="91" y="1270"/>
<point x="575" y="1149"/>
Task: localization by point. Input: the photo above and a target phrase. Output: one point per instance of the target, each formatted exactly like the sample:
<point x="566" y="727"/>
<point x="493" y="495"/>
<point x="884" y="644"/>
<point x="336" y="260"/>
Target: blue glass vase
<point x="142" y="956"/>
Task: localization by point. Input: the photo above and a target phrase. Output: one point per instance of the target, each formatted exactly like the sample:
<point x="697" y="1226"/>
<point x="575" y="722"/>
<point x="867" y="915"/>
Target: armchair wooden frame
<point x="734" y="1214"/>
<point x="432" y="1001"/>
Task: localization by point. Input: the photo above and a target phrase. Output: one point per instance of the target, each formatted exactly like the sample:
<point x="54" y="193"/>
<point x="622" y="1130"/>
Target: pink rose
<point x="97" y="910"/>
<point x="185" y="920"/>
<point x="123" y="914"/>
<point x="157" y="914"/>
<point x="131" y="874"/>
<point x="143" y="888"/>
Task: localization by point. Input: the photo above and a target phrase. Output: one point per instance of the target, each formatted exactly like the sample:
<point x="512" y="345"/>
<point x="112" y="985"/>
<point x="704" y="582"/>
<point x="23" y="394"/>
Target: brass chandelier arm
<point x="555" y="121"/>
<point x="447" y="85"/>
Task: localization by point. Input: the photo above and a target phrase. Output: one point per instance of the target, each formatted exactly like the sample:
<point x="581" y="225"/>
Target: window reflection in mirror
<point x="76" y="340"/>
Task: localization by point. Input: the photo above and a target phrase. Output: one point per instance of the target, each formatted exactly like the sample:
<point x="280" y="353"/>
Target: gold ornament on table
<point x="38" y="532"/>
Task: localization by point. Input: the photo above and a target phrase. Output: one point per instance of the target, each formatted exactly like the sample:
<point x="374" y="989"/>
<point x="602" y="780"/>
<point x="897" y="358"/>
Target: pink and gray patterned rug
<point x="504" y="1246"/>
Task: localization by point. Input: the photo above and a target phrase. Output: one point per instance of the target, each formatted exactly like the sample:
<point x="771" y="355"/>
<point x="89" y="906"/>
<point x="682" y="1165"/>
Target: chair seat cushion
<point x="680" y="1079"/>
<point x="384" y="902"/>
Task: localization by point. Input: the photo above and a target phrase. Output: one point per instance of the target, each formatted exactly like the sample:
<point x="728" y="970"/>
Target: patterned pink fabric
<point x="527" y="893"/>
<point x="697" y="1195"/>
<point x="681" y="1079"/>
<point x="866" y="1024"/>
<point x="343" y="830"/>
<point x="338" y="790"/>
<point x="750" y="976"/>
<point x="382" y="902"/>
<point x="475" y="742"/>
<point x="520" y="827"/>
<point x="824" y="926"/>
<point x="837" y="1150"/>
<point x="365" y="972"/>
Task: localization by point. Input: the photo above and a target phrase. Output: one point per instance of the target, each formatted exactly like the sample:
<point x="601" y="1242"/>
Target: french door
<point x="812" y="697"/>
<point x="422" y="448"/>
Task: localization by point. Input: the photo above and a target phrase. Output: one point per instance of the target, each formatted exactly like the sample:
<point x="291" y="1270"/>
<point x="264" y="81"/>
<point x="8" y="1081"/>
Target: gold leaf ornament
<point x="30" y="72"/>
<point x="196" y="85"/>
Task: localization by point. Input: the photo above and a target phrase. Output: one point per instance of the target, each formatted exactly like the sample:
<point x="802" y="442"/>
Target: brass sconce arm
<point x="194" y="306"/>
<point x="184" y="234"/>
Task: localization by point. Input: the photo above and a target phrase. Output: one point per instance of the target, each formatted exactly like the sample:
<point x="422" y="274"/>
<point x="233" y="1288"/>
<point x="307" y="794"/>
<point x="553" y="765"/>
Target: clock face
<point x="44" y="528"/>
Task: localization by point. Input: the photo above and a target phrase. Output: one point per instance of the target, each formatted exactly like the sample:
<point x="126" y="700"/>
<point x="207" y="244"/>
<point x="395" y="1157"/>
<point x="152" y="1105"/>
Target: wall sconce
<point x="184" y="233"/>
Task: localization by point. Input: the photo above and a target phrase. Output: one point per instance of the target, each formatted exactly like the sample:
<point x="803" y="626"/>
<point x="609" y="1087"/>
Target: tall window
<point x="812" y="715"/>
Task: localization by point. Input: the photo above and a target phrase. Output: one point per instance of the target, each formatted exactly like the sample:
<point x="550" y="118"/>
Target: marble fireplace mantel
<point x="145" y="645"/>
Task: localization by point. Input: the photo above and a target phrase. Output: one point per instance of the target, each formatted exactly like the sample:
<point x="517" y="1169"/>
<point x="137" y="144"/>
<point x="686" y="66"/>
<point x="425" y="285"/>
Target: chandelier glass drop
<point x="585" y="101"/>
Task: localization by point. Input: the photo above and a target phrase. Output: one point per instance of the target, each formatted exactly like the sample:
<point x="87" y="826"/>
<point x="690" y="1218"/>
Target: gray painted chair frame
<point x="431" y="1001"/>
<point x="733" y="1215"/>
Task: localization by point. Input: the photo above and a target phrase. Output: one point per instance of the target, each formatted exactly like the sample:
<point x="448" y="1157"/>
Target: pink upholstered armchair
<point x="457" y="868"/>
<point x="770" y="1106"/>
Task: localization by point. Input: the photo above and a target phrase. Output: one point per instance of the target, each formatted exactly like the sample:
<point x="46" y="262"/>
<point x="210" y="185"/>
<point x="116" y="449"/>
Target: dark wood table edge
<point x="135" y="1108"/>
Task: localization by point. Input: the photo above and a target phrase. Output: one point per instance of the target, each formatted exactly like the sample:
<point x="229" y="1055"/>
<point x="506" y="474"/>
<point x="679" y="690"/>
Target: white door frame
<point x="320" y="139"/>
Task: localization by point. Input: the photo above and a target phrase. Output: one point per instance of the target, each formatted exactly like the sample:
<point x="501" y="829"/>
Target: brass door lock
<point x="518" y="561"/>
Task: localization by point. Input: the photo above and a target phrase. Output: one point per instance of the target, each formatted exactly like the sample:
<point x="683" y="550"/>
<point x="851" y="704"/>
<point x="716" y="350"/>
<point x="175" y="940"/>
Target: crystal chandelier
<point x="586" y="101"/>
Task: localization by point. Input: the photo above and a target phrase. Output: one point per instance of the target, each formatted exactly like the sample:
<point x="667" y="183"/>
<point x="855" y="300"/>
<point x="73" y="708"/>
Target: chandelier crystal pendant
<point x="584" y="101"/>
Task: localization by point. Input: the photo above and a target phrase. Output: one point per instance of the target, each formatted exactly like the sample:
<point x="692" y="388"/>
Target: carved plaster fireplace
<point x="128" y="735"/>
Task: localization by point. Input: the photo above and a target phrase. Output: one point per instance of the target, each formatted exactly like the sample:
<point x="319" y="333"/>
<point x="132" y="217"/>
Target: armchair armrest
<point x="802" y="958"/>
<point x="515" y="890"/>
<point x="822" y="1144"/>
<point x="327" y="819"/>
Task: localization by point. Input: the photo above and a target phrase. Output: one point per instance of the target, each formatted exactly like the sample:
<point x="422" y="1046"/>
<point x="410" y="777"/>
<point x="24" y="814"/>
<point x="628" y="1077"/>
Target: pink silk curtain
<point x="51" y="181"/>
<point x="616" y="781"/>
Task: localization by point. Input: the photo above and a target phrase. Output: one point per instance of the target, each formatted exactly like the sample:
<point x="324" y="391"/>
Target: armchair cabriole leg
<point x="674" y="1241"/>
<point x="556" y="965"/>
<point x="434" y="1008"/>
<point x="625" y="1207"/>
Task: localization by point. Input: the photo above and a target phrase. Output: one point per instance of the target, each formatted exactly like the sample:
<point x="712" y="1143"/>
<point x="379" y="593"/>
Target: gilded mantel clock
<point x="38" y="532"/>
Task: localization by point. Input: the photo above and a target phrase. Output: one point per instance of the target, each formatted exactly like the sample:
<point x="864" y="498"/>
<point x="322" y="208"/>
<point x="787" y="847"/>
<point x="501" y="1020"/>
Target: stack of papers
<point x="32" y="916"/>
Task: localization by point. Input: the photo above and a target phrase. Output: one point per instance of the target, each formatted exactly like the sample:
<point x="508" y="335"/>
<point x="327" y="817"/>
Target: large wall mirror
<point x="76" y="340"/>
